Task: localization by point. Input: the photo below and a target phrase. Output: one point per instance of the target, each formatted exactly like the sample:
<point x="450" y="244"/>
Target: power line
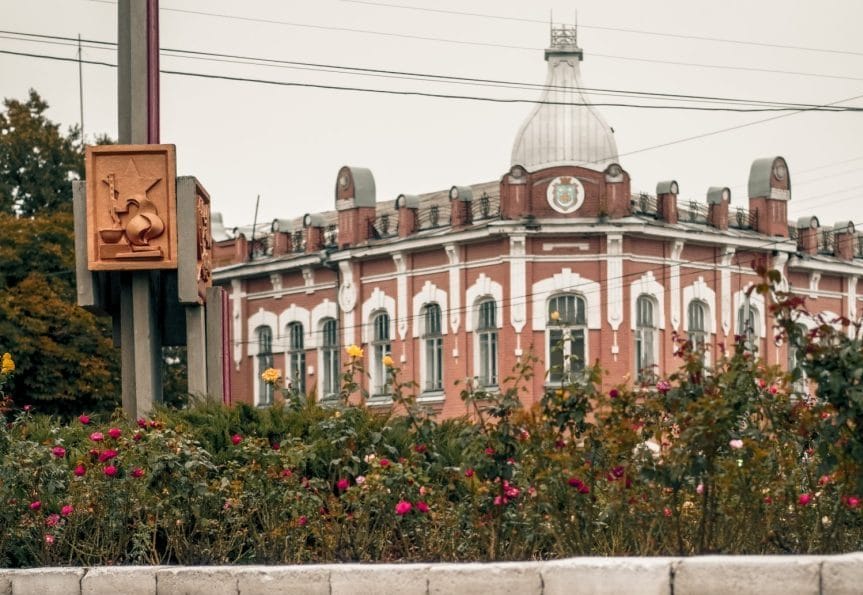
<point x="828" y="107"/>
<point x="494" y="45"/>
<point x="615" y="29"/>
<point x="421" y="76"/>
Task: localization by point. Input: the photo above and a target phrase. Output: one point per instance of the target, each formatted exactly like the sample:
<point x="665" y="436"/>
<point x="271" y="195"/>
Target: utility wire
<point x="827" y="107"/>
<point x="483" y="44"/>
<point x="615" y="29"/>
<point x="211" y="56"/>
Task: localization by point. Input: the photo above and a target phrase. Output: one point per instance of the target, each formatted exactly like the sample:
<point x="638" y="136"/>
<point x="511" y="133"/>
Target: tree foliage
<point x="37" y="162"/>
<point x="64" y="356"/>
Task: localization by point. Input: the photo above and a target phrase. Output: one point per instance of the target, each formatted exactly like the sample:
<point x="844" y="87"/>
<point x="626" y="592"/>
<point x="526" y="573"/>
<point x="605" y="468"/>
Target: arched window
<point x="433" y="348"/>
<point x="799" y="384"/>
<point x="566" y="331"/>
<point x="646" y="336"/>
<point x="747" y="321"/>
<point x="380" y="348"/>
<point x="329" y="358"/>
<point x="296" y="358"/>
<point x="486" y="343"/>
<point x="696" y="325"/>
<point x="264" y="335"/>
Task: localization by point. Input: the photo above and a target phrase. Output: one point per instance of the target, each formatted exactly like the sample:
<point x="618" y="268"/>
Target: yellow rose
<point x="388" y="361"/>
<point x="555" y="316"/>
<point x="270" y="376"/>
<point x="355" y="351"/>
<point x="8" y="365"/>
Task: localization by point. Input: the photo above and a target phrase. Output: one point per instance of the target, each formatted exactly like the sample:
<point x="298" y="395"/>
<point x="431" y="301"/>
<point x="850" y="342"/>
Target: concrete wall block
<point x="842" y="575"/>
<point x="375" y="579"/>
<point x="601" y="576"/>
<point x="46" y="581"/>
<point x="283" y="580"/>
<point x="129" y="580"/>
<point x="744" y="575"/>
<point x="191" y="580"/>
<point x="5" y="582"/>
<point x="515" y="578"/>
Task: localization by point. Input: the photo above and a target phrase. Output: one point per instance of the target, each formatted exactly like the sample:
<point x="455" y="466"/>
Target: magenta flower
<point x="853" y="501"/>
<point x="236" y="439"/>
<point x="384" y="462"/>
<point x="804" y="499"/>
<point x="52" y="519"/>
<point x="574" y="482"/>
<point x="302" y="521"/>
<point x="489" y="451"/>
<point x="422" y="507"/>
<point x="663" y="386"/>
<point x="142" y="423"/>
<point x="468" y="472"/>
<point x="342" y="484"/>
<point x="614" y="393"/>
<point x="97" y="436"/>
<point x="110" y="471"/>
<point x="107" y="455"/>
<point x="115" y="433"/>
<point x="137" y="472"/>
<point x="80" y="470"/>
<point x="49" y="539"/>
<point x="403" y="507"/>
<point x="84" y="419"/>
<point x="35" y="505"/>
<point x="67" y="510"/>
<point x="137" y="436"/>
<point x="58" y="451"/>
<point x="736" y="443"/>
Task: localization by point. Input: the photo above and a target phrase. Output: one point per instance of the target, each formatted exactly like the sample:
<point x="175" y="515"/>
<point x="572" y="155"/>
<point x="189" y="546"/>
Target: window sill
<point x="379" y="401"/>
<point x="432" y="396"/>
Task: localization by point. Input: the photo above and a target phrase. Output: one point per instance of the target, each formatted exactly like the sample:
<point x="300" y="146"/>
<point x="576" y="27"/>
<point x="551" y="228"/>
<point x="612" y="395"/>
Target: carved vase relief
<point x="131" y="207"/>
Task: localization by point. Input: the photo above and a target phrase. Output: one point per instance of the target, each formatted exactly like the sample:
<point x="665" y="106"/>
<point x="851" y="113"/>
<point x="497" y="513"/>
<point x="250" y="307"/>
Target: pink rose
<point x="137" y="436"/>
<point x="58" y="451"/>
<point x="35" y="505"/>
<point x="422" y="507"/>
<point x="137" y="472"/>
<point x="853" y="501"/>
<point x="110" y="471"/>
<point x="302" y="521"/>
<point x="735" y="444"/>
<point x="468" y="472"/>
<point x="384" y="462"/>
<point x="84" y="419"/>
<point x="614" y="393"/>
<point x="52" y="519"/>
<point x="403" y="507"/>
<point x="97" y="436"/>
<point x="142" y="423"/>
<point x="49" y="539"/>
<point x="804" y="499"/>
<point x="107" y="455"/>
<point x="115" y="433"/>
<point x="80" y="470"/>
<point x="67" y="510"/>
<point x="236" y="439"/>
<point x="342" y="484"/>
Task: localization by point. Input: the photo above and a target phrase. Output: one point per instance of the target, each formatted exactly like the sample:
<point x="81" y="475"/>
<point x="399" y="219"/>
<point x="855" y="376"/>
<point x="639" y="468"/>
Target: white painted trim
<point x="756" y="300"/>
<point x="429" y="294"/>
<point x="326" y="309"/>
<point x="517" y="284"/>
<point x="262" y="318"/>
<point x="378" y="300"/>
<point x="566" y="282"/>
<point x="647" y="285"/>
<point x="294" y="313"/>
<point x="482" y="288"/>
<point x="700" y="291"/>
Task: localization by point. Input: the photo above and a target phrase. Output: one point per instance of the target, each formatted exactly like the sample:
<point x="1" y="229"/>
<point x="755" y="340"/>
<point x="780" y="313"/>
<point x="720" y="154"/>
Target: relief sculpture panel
<point x="131" y="207"/>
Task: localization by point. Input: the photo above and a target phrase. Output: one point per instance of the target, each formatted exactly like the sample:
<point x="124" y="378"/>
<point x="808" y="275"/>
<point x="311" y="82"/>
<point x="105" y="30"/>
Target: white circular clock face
<point x="343" y="181"/>
<point x="565" y="194"/>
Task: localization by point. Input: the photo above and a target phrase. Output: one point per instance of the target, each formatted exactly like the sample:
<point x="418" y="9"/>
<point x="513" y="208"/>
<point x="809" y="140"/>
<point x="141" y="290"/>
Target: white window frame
<point x="646" y="333"/>
<point x="567" y="329"/>
<point x="431" y="359"/>
<point x="488" y="335"/>
<point x="379" y="347"/>
<point x="295" y="356"/>
<point x="333" y="366"/>
<point x="258" y="319"/>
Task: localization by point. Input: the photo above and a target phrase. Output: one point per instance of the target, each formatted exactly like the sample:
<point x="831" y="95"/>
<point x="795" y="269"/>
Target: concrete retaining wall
<point x="740" y="575"/>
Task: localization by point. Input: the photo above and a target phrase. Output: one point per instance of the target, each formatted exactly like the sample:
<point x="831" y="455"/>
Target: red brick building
<point x="460" y="284"/>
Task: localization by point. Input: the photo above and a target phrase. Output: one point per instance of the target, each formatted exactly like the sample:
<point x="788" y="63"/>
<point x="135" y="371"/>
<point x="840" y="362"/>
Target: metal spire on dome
<point x="564" y="129"/>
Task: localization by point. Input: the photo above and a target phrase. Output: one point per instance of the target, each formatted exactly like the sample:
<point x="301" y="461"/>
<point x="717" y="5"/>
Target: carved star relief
<point x="132" y="184"/>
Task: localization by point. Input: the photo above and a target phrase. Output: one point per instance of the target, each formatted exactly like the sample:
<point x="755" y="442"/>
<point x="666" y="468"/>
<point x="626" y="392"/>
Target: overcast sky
<point x="286" y="143"/>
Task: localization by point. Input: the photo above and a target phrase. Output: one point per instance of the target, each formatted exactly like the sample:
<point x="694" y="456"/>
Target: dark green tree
<point x="37" y="162"/>
<point x="65" y="360"/>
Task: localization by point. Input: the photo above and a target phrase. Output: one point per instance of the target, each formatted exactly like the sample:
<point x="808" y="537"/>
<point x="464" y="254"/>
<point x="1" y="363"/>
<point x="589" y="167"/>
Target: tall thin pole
<point x="81" y="88"/>
<point x="254" y="228"/>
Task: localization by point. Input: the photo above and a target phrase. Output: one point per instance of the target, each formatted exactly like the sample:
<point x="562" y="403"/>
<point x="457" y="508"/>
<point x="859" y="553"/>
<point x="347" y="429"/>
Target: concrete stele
<point x="745" y="575"/>
<point x="379" y="579"/>
<point x="283" y="580"/>
<point x="608" y="576"/>
<point x="842" y="575"/>
<point x="202" y="580"/>
<point x="515" y="578"/>
<point x="46" y="581"/>
<point x="110" y="580"/>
